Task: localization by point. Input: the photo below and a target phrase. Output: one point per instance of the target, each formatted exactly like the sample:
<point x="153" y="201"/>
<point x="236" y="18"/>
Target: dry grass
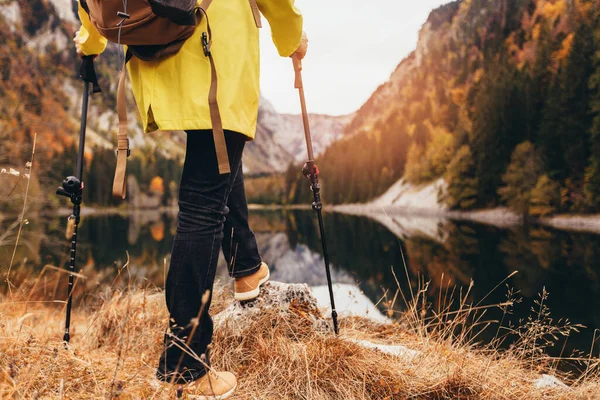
<point x="117" y="339"/>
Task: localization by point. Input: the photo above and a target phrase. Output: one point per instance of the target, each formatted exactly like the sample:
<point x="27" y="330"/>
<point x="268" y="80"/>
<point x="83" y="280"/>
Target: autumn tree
<point x="461" y="192"/>
<point x="157" y="185"/>
<point x="545" y="197"/>
<point x="520" y="178"/>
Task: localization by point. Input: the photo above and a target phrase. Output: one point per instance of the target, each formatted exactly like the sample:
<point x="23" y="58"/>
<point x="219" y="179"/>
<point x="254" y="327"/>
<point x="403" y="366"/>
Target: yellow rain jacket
<point x="172" y="94"/>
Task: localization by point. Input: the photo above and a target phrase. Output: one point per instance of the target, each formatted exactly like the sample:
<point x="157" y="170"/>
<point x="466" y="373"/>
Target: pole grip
<point x="87" y="72"/>
<point x="298" y="72"/>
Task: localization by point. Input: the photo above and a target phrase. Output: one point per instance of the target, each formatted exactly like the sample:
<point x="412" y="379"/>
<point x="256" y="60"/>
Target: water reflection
<point x="366" y="252"/>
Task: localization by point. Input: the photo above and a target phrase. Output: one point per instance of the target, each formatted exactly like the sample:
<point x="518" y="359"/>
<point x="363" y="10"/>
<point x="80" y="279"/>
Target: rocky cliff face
<point x="281" y="141"/>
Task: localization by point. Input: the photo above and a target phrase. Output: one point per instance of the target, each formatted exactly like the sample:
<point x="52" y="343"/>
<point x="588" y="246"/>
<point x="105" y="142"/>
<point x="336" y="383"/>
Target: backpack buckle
<point x="128" y="152"/>
<point x="123" y="15"/>
<point x="122" y="145"/>
<point x="205" y="44"/>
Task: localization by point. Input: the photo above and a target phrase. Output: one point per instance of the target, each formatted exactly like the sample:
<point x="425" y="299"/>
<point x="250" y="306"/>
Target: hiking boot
<point x="248" y="287"/>
<point x="212" y="386"/>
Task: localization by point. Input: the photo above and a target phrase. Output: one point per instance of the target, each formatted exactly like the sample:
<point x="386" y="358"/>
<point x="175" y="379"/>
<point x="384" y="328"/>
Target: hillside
<point x="39" y="93"/>
<point x="499" y="98"/>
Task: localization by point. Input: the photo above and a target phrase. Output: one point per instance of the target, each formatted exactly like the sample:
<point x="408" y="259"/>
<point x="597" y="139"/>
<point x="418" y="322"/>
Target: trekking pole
<point x="311" y="172"/>
<point x="72" y="186"/>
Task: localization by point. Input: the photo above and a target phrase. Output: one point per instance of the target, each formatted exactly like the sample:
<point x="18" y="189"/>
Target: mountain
<point x="39" y="93"/>
<point x="500" y="99"/>
<point x="281" y="139"/>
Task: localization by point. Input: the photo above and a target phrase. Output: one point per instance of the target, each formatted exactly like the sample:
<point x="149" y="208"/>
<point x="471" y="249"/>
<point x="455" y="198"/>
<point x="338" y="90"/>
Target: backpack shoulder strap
<point x="123" y="151"/>
<point x="204" y="4"/>
<point x="255" y="13"/>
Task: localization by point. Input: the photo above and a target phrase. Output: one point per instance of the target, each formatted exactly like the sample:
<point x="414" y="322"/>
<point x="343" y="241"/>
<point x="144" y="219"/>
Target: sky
<point x="354" y="46"/>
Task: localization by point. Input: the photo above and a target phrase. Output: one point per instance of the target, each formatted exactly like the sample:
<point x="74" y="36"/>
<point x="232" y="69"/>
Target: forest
<point x="500" y="98"/>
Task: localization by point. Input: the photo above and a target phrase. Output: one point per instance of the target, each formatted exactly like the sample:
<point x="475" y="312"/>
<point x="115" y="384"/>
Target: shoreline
<point x="499" y="217"/>
<point x="404" y="200"/>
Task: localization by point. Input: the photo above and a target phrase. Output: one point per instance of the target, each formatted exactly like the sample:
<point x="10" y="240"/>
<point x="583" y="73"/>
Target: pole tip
<point x="336" y="328"/>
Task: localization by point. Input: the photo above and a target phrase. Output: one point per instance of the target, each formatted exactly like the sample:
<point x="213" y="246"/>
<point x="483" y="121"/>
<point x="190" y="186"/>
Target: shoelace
<point x="213" y="374"/>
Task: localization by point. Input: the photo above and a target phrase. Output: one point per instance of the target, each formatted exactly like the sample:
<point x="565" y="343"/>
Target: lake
<point x="365" y="252"/>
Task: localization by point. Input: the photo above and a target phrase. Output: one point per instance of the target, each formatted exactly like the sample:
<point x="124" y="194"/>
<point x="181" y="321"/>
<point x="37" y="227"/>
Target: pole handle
<point x="298" y="72"/>
<point x="87" y="72"/>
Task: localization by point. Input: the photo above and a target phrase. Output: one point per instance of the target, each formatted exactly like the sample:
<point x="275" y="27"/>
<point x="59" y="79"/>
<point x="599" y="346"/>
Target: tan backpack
<point x="153" y="30"/>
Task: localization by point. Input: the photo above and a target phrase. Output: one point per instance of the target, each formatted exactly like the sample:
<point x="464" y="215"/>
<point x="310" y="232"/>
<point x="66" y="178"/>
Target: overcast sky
<point x="353" y="47"/>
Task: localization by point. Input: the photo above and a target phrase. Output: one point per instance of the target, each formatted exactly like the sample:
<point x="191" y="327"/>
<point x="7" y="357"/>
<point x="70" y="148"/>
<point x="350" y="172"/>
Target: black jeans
<point x="213" y="213"/>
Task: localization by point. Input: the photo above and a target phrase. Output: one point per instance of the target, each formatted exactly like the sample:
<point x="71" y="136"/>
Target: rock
<point x="275" y="296"/>
<point x="291" y="299"/>
<point x="394" y="350"/>
<point x="549" y="381"/>
<point x="11" y="12"/>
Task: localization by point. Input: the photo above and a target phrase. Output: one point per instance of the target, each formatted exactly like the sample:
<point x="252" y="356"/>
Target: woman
<point x="172" y="94"/>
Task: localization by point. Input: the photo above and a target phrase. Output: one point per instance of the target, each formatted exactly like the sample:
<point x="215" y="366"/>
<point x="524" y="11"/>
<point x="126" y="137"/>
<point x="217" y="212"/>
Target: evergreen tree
<point x="499" y="123"/>
<point x="521" y="178"/>
<point x="539" y="82"/>
<point x="592" y="175"/>
<point x="462" y="183"/>
<point x="545" y="197"/>
<point x="564" y="132"/>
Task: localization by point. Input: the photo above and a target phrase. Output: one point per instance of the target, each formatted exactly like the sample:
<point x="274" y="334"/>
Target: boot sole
<point x="251" y="295"/>
<point x="220" y="397"/>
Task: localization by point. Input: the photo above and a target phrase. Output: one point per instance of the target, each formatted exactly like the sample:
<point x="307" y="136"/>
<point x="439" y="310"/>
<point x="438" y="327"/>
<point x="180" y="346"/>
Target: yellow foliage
<point x="552" y="10"/>
<point x="439" y="151"/>
<point x="526" y="22"/>
<point x="459" y="96"/>
<point x="426" y="163"/>
<point x="414" y="168"/>
<point x="414" y="108"/>
<point x="535" y="33"/>
<point x="478" y="75"/>
<point x="565" y="49"/>
<point x="157" y="185"/>
<point x="157" y="231"/>
<point x="584" y="9"/>
<point x="510" y="41"/>
<point x="88" y="156"/>
<point x="451" y="57"/>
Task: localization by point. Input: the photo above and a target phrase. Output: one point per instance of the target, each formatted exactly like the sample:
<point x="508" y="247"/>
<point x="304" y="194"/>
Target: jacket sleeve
<point x="285" y="21"/>
<point x="90" y="40"/>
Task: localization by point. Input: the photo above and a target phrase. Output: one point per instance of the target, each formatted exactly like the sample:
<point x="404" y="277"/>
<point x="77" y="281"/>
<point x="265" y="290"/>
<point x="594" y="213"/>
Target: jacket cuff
<point x="285" y="42"/>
